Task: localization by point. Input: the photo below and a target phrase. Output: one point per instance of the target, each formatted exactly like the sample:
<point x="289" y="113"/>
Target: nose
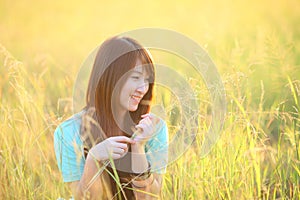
<point x="143" y="88"/>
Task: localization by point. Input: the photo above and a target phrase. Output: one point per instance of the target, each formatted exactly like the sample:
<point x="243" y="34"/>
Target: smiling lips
<point x="136" y="99"/>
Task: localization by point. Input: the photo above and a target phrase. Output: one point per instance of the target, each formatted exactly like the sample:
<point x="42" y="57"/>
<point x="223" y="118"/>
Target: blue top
<point x="70" y="158"/>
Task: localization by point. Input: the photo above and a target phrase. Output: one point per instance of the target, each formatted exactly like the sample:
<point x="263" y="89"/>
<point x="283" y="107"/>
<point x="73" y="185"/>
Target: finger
<point x="142" y="120"/>
<point x="145" y="121"/>
<point x="121" y="145"/>
<point x="141" y="126"/>
<point x="146" y="125"/>
<point x="152" y="117"/>
<point x="147" y="115"/>
<point x="124" y="139"/>
<point x="140" y="138"/>
<point x="137" y="130"/>
<point x="146" y="118"/>
<point x="119" y="151"/>
<point x="115" y="156"/>
<point x="148" y="121"/>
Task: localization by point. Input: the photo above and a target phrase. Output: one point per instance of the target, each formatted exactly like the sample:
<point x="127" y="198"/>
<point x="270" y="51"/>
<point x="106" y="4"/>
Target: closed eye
<point x="147" y="80"/>
<point x="135" y="77"/>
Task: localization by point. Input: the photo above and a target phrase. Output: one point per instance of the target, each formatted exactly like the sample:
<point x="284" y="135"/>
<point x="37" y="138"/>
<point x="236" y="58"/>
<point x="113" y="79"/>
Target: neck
<point x="120" y="119"/>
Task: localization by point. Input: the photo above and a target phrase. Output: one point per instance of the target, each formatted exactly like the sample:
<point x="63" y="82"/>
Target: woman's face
<point x="134" y="89"/>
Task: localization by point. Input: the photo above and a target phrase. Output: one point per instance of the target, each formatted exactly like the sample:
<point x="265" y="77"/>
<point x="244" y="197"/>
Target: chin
<point x="132" y="109"/>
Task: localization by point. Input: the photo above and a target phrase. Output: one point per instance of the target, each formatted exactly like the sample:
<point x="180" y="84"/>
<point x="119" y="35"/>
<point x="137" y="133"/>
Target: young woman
<point x="114" y="148"/>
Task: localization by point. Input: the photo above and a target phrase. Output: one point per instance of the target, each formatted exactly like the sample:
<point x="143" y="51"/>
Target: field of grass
<point x="255" y="46"/>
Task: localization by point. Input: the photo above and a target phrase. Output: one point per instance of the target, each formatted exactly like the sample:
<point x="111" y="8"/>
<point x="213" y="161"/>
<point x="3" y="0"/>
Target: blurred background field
<point x="255" y="46"/>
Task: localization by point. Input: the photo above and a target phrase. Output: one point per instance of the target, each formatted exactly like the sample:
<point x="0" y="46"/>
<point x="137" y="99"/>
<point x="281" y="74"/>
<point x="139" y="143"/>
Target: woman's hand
<point x="113" y="147"/>
<point x="145" y="128"/>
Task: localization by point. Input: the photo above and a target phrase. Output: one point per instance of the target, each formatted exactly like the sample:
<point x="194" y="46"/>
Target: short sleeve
<point x="157" y="149"/>
<point x="68" y="151"/>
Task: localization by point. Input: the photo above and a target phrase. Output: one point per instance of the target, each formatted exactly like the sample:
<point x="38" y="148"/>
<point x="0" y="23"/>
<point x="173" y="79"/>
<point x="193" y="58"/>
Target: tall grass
<point x="257" y="53"/>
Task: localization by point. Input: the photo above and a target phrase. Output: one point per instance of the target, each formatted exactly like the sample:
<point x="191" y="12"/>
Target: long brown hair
<point x="115" y="57"/>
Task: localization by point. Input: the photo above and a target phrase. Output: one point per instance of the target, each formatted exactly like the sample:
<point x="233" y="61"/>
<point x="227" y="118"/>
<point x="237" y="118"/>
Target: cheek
<point x="127" y="88"/>
<point x="147" y="88"/>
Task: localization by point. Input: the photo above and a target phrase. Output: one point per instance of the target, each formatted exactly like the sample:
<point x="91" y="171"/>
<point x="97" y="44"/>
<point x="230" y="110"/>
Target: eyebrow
<point x="134" y="71"/>
<point x="141" y="73"/>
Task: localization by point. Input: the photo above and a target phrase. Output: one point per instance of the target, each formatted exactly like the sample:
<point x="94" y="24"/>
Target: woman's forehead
<point x="141" y="68"/>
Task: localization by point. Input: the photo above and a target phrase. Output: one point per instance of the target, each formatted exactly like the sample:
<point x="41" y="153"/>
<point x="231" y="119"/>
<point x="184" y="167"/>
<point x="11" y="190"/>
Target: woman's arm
<point x="87" y="188"/>
<point x="80" y="188"/>
<point x="147" y="129"/>
<point x="93" y="183"/>
<point x="151" y="187"/>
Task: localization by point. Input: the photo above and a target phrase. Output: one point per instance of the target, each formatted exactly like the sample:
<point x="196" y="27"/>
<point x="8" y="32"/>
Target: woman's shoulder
<point x="159" y="122"/>
<point x="157" y="145"/>
<point x="70" y="126"/>
<point x="161" y="128"/>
